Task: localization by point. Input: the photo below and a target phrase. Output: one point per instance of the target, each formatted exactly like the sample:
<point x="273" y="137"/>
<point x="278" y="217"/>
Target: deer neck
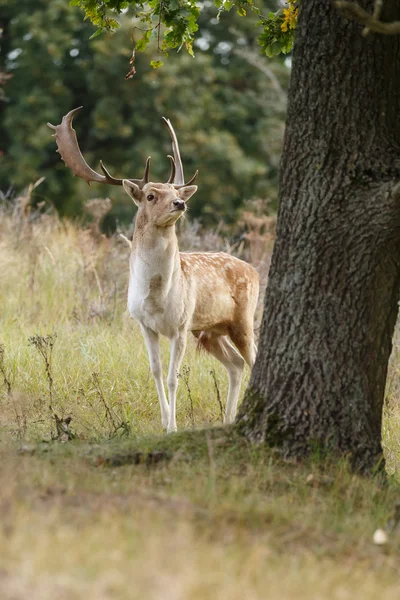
<point x="155" y="257"/>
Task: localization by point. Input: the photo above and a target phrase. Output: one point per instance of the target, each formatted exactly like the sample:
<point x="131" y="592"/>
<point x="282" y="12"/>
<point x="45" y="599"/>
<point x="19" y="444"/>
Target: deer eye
<point x="150" y="197"/>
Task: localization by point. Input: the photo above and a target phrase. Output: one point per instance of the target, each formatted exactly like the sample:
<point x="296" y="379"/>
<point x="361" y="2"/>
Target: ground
<point x="123" y="511"/>
<point x="214" y="518"/>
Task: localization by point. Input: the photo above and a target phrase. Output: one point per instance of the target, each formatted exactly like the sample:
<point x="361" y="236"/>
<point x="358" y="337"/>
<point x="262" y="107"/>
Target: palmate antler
<point x="69" y="150"/>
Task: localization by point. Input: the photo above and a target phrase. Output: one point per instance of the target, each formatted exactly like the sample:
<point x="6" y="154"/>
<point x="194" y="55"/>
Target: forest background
<point x="227" y="105"/>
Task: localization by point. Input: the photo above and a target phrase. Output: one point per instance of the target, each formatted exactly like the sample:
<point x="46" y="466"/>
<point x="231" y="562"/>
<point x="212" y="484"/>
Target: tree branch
<point x="376" y="15"/>
<point x="352" y="10"/>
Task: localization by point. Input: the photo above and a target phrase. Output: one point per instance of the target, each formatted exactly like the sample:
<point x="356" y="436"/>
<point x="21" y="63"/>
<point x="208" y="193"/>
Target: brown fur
<point x="222" y="271"/>
<point x="155" y="293"/>
<point x="211" y="294"/>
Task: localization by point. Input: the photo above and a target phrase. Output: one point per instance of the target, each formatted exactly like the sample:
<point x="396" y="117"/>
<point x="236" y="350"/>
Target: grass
<point x="220" y="519"/>
<point x="58" y="281"/>
<point x="122" y="511"/>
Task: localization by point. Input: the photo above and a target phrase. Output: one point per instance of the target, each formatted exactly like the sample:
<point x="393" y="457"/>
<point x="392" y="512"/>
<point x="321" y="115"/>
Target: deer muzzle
<point x="179" y="205"/>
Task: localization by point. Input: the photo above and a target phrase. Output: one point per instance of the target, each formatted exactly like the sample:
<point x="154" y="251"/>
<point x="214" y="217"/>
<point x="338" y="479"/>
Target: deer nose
<point x="179" y="204"/>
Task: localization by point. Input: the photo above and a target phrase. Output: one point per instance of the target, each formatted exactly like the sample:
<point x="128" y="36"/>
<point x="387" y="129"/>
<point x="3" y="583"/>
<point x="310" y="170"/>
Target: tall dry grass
<point x="68" y="281"/>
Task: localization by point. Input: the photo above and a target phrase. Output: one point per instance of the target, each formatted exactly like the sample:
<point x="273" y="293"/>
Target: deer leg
<point x="243" y="338"/>
<point x="177" y="350"/>
<point x="234" y="364"/>
<point x="248" y="351"/>
<point x="153" y="348"/>
<point x="220" y="347"/>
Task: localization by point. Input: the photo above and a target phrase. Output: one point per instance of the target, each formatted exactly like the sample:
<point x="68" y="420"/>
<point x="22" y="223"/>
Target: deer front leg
<point x="177" y="350"/>
<point x="153" y="349"/>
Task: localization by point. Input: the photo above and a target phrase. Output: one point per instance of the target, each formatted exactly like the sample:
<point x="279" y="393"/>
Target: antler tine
<point x="146" y="171"/>
<point x="173" y="169"/>
<point x="140" y="182"/>
<point x="145" y="179"/>
<point x="192" y="180"/>
<point x="179" y="178"/>
<point x="109" y="178"/>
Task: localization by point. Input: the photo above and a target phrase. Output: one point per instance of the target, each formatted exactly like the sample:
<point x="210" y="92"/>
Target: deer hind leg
<point x="153" y="348"/>
<point x="220" y="347"/>
<point x="177" y="348"/>
<point x="242" y="335"/>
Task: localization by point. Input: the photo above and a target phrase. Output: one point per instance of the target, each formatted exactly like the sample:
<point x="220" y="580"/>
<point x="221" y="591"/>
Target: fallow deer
<point x="211" y="294"/>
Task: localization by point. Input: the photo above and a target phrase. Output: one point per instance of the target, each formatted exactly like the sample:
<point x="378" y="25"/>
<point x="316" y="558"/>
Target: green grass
<point x="128" y="512"/>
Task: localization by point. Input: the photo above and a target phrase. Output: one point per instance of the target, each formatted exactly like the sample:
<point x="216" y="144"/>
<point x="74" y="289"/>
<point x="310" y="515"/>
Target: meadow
<point x="96" y="502"/>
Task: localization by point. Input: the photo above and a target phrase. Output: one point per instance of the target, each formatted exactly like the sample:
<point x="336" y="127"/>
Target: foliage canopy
<point x="176" y="22"/>
<point x="222" y="109"/>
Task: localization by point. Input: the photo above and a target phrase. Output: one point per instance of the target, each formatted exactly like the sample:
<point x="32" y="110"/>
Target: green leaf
<point x="189" y="48"/>
<point x="96" y="33"/>
<point x="227" y="6"/>
<point x="144" y="40"/>
<point x="156" y="64"/>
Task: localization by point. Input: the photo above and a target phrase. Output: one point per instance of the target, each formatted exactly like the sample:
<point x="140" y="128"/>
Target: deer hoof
<point x="228" y="419"/>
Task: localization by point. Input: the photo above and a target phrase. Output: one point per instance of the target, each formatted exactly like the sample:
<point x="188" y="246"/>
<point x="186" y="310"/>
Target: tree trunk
<point x="332" y="297"/>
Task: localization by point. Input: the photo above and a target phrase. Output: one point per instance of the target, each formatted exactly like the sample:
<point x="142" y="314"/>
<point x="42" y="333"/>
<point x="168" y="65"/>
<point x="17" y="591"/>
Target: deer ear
<point x="132" y="190"/>
<point x="187" y="192"/>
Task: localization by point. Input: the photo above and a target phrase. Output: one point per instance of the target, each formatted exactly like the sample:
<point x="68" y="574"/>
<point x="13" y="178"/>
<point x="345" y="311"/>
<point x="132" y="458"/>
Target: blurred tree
<point x="228" y="113"/>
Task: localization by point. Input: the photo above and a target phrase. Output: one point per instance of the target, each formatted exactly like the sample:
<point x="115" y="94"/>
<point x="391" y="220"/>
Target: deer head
<point x="159" y="203"/>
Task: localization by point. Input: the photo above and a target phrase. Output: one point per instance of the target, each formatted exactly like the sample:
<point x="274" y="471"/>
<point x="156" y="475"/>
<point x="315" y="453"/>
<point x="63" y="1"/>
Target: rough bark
<point x="332" y="297"/>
